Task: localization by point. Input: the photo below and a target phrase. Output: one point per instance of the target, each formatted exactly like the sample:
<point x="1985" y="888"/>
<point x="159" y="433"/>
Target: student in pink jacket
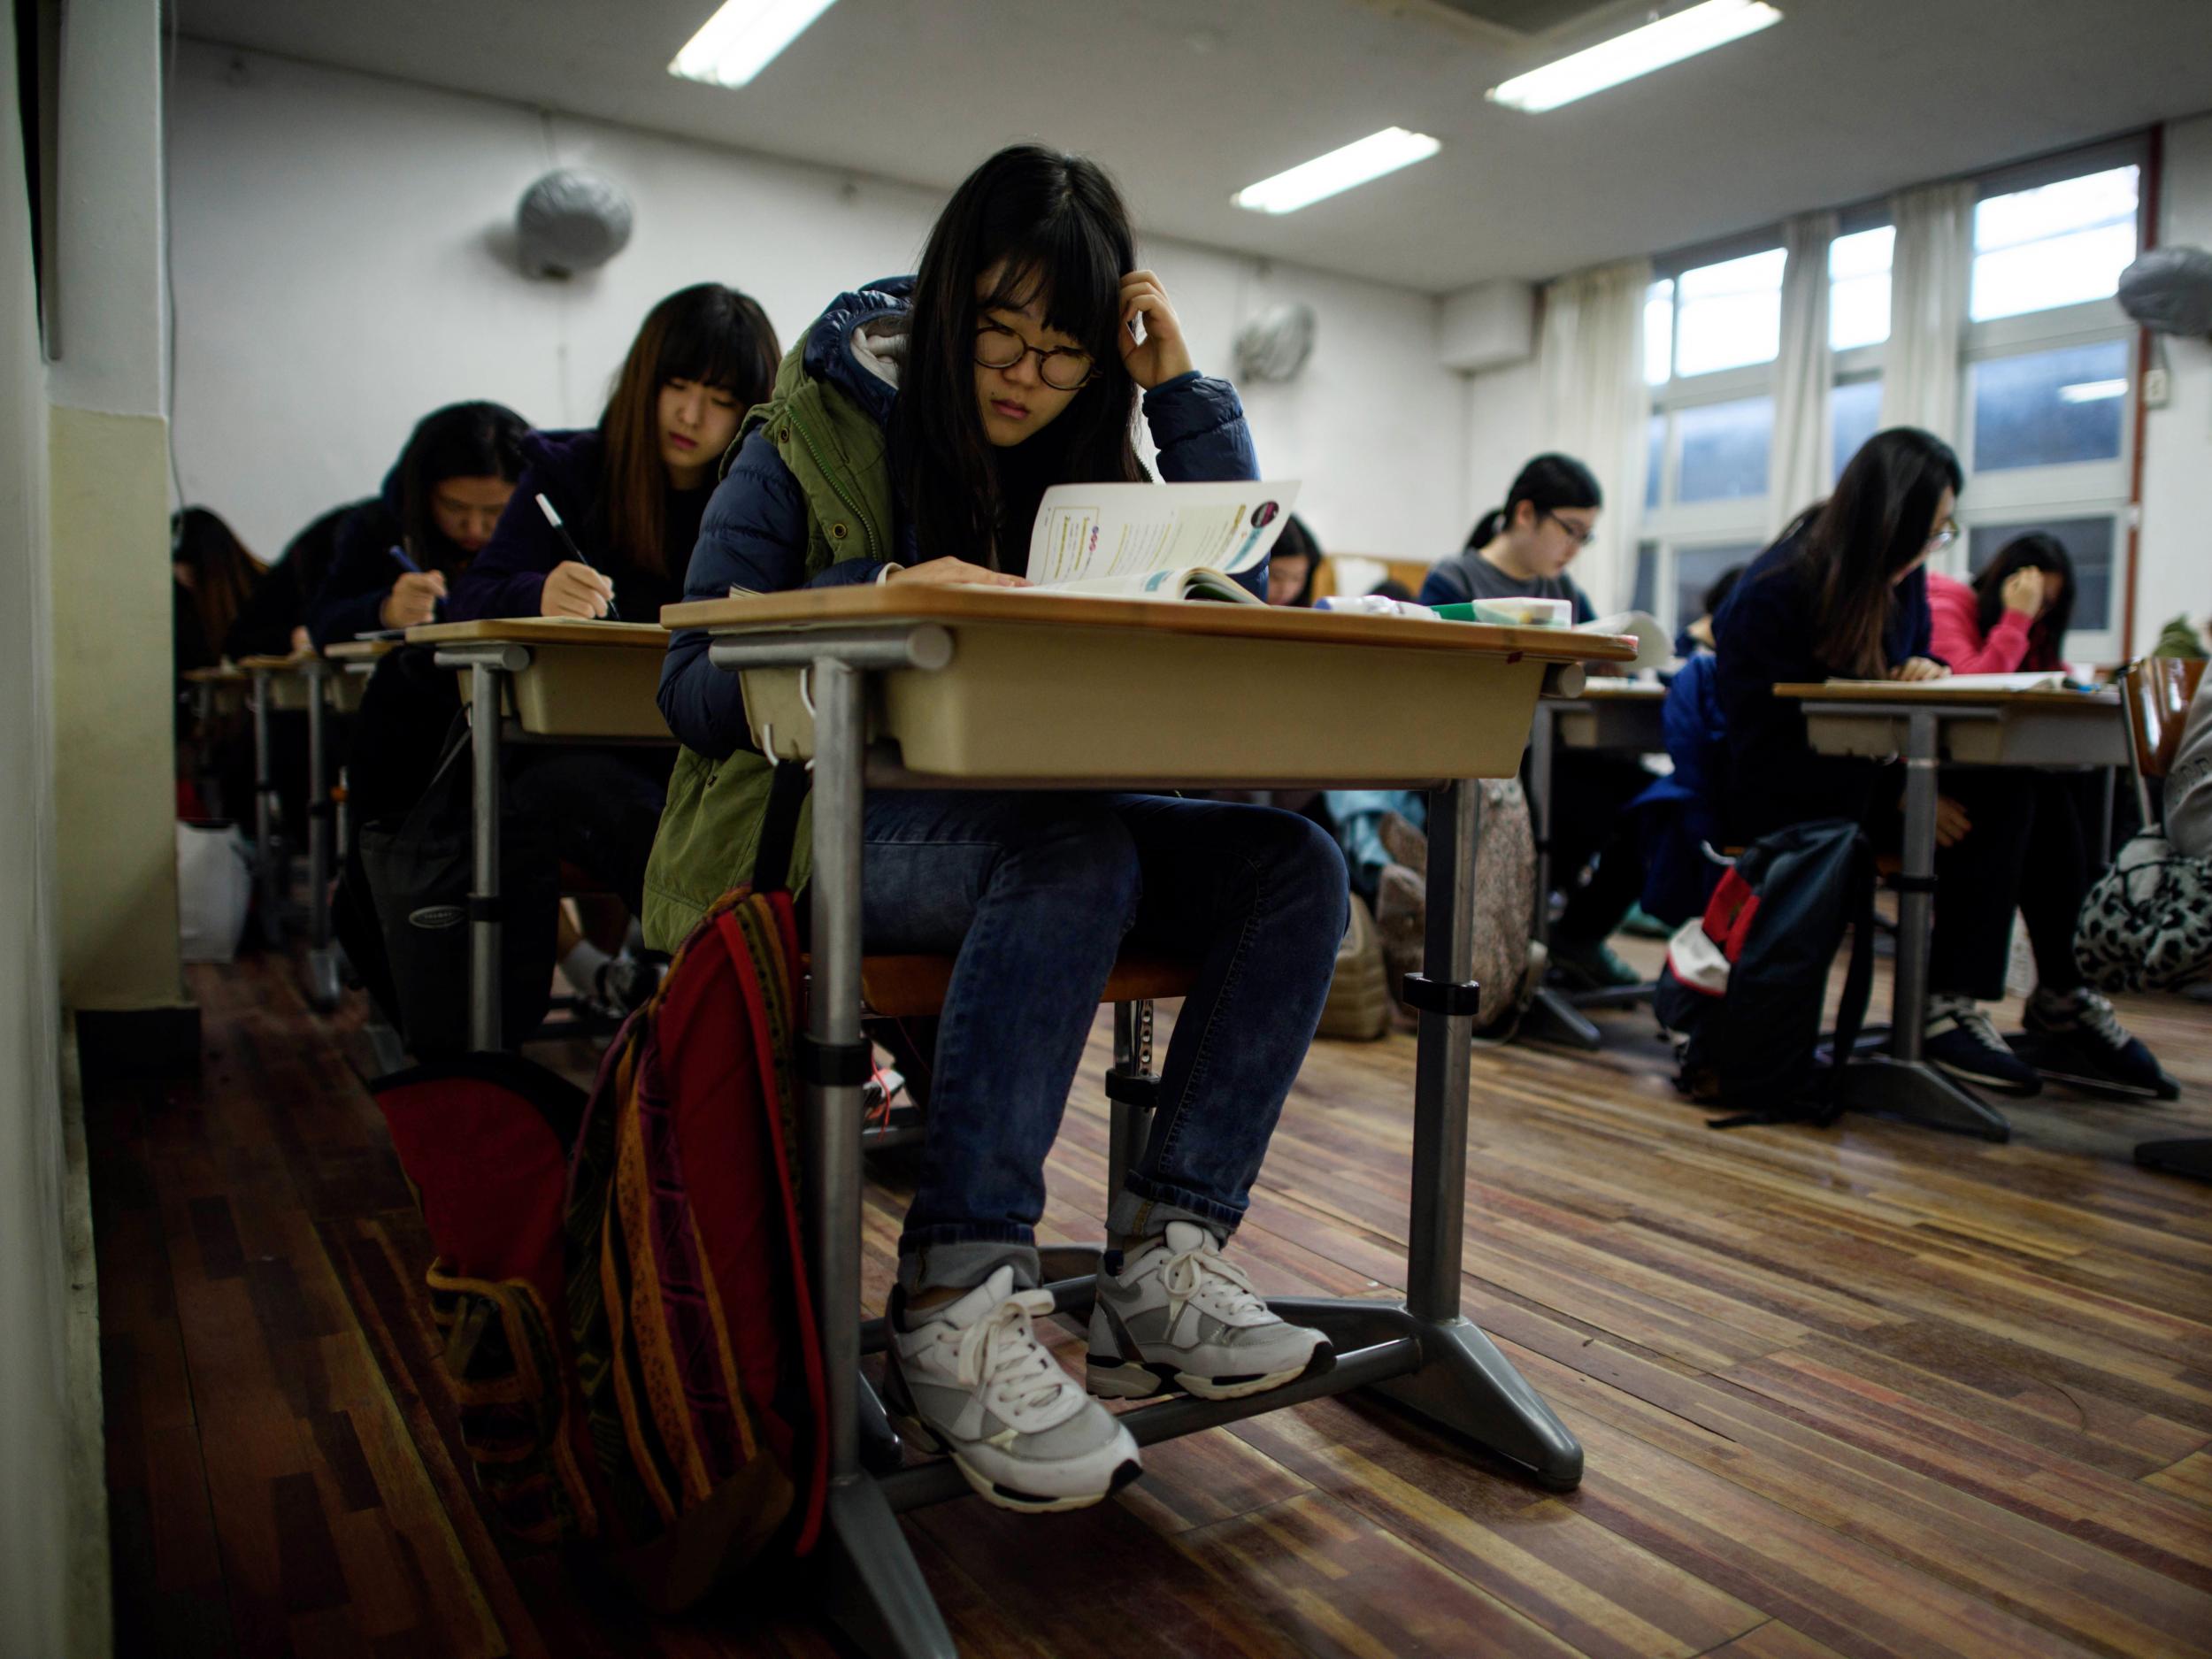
<point x="2014" y="617"/>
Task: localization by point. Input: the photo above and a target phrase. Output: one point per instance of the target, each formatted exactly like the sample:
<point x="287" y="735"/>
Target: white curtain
<point x="1804" y="373"/>
<point x="1927" y="307"/>
<point x="1592" y="404"/>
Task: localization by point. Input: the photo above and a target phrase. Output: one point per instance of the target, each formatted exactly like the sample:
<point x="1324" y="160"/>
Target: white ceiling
<point x="1188" y="100"/>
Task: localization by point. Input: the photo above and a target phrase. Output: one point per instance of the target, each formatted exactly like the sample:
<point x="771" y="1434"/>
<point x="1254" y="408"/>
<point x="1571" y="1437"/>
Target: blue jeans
<point x="1036" y="893"/>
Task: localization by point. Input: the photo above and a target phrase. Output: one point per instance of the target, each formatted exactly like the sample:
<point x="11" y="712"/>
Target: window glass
<point x="1724" y="449"/>
<point x="1647" y="594"/>
<point x="1654" y="457"/>
<point x="1858" y="287"/>
<point x="2058" y="245"/>
<point x="1697" y="569"/>
<point x="1658" y="333"/>
<point x="1729" y="314"/>
<point x="2049" y="408"/>
<point x="2088" y="541"/>
<point x="1855" y="414"/>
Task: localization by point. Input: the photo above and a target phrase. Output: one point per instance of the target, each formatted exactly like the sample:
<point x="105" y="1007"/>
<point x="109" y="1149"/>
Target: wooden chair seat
<point x="913" y="988"/>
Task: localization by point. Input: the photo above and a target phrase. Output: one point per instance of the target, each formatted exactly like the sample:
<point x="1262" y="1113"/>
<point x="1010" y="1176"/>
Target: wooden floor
<point x="1867" y="1391"/>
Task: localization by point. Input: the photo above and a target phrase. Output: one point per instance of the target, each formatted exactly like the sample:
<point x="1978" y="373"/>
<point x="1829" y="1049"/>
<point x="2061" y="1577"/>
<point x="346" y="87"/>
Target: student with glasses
<point x="912" y="432"/>
<point x="1844" y="594"/>
<point x="1522" y="551"/>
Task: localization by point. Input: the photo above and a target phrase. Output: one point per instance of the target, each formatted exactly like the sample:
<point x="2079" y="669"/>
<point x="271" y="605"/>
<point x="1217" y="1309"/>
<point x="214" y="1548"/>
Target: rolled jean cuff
<point x="954" y="1258"/>
<point x="1143" y="1208"/>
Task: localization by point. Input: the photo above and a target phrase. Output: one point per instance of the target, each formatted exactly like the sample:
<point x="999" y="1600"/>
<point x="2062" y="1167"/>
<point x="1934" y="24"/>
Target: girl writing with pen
<point x="627" y="494"/>
<point x="393" y="554"/>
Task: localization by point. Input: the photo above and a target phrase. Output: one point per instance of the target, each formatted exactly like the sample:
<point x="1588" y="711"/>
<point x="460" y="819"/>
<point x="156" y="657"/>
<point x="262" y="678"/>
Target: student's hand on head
<point x="1952" y="823"/>
<point x="946" y="572"/>
<point x="1919" y="668"/>
<point x="413" y="599"/>
<point x="575" y="589"/>
<point x="2023" y="591"/>
<point x="1163" y="353"/>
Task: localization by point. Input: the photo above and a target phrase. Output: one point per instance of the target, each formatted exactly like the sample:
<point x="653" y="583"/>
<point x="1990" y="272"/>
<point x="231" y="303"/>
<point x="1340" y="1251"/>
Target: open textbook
<point x="1156" y="541"/>
<point x="2030" y="679"/>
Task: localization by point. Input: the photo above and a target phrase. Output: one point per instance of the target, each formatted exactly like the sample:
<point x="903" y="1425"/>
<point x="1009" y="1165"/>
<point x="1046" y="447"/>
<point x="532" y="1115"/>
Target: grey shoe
<point x="1179" y="1315"/>
<point x="971" y="1378"/>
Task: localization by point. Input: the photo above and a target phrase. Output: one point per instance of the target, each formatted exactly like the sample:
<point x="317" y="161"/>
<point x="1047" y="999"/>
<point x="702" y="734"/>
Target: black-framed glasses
<point x="1062" y="369"/>
<point x="1580" y="538"/>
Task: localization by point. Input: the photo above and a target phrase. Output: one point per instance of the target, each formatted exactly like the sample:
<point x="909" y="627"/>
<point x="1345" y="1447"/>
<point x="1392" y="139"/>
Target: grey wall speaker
<point x="1275" y="345"/>
<point x="571" y="220"/>
<point x="2170" y="290"/>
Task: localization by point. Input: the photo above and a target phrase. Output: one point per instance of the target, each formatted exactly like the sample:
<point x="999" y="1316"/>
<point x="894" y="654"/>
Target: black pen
<point x="568" y="541"/>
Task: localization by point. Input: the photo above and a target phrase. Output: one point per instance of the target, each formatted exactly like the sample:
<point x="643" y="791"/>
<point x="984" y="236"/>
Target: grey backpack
<point x="2147" y="925"/>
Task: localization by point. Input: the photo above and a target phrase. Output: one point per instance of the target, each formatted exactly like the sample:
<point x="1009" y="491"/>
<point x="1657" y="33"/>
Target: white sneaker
<point x="974" y="1381"/>
<point x="1181" y="1315"/>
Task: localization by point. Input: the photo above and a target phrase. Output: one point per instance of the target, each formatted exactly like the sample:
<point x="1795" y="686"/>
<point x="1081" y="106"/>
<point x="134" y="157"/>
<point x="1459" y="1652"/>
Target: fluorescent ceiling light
<point x="2092" y="391"/>
<point x="1308" y="182"/>
<point x="1638" y="52"/>
<point x="743" y="38"/>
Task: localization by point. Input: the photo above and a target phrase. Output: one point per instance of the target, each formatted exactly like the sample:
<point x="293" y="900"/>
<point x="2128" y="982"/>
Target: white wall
<point x="2174" y="572"/>
<point x="339" y="271"/>
<point x="33" y="1404"/>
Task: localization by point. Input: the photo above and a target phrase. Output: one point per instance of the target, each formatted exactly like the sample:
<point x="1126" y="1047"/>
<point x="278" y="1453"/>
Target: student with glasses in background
<point x="1844" y="594"/>
<point x="1522" y="551"/>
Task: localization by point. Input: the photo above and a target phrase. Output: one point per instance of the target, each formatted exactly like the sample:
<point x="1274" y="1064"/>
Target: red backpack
<point x="620" y="1282"/>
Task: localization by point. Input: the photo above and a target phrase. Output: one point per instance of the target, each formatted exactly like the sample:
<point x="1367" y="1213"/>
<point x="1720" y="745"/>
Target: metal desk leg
<point x="2104" y="821"/>
<point x="1463" y="1381"/>
<point x="268" y="851"/>
<point x="322" y="961"/>
<point x="1901" y="1083"/>
<point x="873" y="1587"/>
<point x="1550" y="1016"/>
<point x="486" y="1012"/>
<point x="204" y="722"/>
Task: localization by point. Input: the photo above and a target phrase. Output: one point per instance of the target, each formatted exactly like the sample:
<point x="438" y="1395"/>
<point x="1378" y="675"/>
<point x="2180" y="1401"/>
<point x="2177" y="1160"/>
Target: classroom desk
<point x="343" y="673"/>
<point x="1933" y="726"/>
<point x="537" y="679"/>
<point x="926" y="687"/>
<point x="1609" y="716"/>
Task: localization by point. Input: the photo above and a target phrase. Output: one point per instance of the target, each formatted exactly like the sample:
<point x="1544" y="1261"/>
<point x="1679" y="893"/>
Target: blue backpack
<point x="1744" y="983"/>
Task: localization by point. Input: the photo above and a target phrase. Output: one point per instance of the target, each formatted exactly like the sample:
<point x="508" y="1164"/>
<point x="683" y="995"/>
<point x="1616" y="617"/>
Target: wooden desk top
<point x="289" y="660"/>
<point x="220" y="674"/>
<point x="923" y="602"/>
<point x="1600" y="688"/>
<point x="1935" y="693"/>
<point x="360" y="650"/>
<point x="541" y="631"/>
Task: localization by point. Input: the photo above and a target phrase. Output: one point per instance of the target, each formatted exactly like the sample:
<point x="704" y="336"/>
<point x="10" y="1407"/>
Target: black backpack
<point x="417" y="869"/>
<point x="1744" y="983"/>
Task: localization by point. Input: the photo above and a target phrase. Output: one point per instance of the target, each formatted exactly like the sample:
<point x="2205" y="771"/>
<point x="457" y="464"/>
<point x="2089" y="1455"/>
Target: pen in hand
<point x="553" y="518"/>
<point x="408" y="565"/>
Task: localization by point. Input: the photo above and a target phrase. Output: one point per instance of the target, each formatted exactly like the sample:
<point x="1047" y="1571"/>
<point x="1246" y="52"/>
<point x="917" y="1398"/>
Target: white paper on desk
<point x="1096" y="532"/>
<point x="2036" y="680"/>
<point x="1653" y="647"/>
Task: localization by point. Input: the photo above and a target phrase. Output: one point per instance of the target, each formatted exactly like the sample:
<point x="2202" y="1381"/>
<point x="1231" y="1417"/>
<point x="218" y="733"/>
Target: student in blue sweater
<point x="914" y="429"/>
<point x="1844" y="594"/>
<point x="395" y="553"/>
<point x="630" y="492"/>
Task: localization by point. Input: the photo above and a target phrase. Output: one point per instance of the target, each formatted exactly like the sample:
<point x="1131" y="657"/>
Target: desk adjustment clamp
<point x="1440" y="996"/>
<point x="835" y="1065"/>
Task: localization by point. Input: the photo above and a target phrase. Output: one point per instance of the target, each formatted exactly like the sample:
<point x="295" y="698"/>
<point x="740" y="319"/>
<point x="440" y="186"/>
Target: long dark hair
<point x="1547" y="483"/>
<point x="1874" y="525"/>
<point x="223" y="573"/>
<point x="706" y="333"/>
<point x="1054" y="229"/>
<point x="459" y="440"/>
<point x="2035" y="551"/>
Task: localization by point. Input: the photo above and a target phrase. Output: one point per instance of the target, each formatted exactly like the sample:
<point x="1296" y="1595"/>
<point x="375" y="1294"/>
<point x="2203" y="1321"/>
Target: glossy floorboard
<point x="1871" y="1391"/>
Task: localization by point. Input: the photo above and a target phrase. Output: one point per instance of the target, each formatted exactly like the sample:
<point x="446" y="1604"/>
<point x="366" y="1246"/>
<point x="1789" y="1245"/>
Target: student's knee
<point x="1077" y="847"/>
<point x="1298" y="856"/>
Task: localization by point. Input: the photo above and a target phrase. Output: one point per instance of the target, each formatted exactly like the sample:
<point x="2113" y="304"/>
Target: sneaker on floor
<point x="971" y="1378"/>
<point x="1591" y="966"/>
<point x="1959" y="1040"/>
<point x="2078" y="1039"/>
<point x="1179" y="1315"/>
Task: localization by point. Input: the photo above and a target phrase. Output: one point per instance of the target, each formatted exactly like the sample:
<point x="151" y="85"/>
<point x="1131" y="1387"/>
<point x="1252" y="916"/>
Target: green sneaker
<point x="1591" y="966"/>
